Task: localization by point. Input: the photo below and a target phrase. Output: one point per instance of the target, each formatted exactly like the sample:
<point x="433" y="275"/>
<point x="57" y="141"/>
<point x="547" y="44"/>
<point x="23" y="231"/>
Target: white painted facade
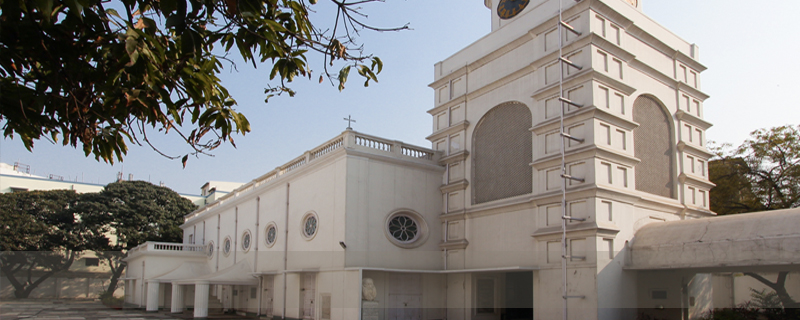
<point x="486" y="199"/>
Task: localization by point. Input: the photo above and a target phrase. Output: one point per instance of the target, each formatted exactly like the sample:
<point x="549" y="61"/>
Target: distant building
<point x="88" y="276"/>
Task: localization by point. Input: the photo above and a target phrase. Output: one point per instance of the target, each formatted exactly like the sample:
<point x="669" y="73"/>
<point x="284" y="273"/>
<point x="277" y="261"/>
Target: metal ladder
<point x="565" y="136"/>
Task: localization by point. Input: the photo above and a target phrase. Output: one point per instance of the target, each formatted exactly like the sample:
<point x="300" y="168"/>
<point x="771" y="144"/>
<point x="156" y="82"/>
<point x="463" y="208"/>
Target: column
<point x="201" y="299"/>
<point x="177" y="298"/>
<point x="152" y="295"/>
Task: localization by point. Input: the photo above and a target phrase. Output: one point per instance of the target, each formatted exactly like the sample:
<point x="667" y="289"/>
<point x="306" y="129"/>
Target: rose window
<point x="403" y="228"/>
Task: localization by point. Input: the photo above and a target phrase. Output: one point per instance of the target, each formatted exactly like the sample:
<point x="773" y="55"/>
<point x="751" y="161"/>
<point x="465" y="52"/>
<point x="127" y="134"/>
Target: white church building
<point x="567" y="179"/>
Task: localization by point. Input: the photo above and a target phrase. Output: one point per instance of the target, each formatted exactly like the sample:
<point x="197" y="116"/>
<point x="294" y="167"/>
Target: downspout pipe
<point x="285" y="251"/>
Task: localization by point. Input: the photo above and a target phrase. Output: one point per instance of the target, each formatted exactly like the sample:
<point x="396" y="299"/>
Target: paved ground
<point x="82" y="310"/>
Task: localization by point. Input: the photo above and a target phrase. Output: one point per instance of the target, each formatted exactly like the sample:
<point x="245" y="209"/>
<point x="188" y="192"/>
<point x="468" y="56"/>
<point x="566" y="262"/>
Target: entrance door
<point x="405" y="297"/>
<point x="266" y="295"/>
<point x="307" y="295"/>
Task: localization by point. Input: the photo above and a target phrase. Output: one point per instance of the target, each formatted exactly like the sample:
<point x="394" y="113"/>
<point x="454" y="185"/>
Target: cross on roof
<point x="349" y="120"/>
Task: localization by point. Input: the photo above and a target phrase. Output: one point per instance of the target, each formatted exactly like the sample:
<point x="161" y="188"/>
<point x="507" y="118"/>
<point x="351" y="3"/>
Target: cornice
<point x="453" y="216"/>
<point x="689" y="61"/>
<point x="586" y="75"/>
<point x="692" y="119"/>
<point x="692" y="91"/>
<point x="690" y="148"/>
<point x="462" y="125"/>
<point x="520" y="202"/>
<point x="587" y="152"/>
<point x="454" y="186"/>
<point x="617" y="157"/>
<point x="577" y="116"/>
<point x="454" y="244"/>
<point x="579" y="230"/>
<point x="455" y="157"/>
<point x="583" y="114"/>
<point x="571" y="155"/>
<point x="449" y="104"/>
<point x="612" y="48"/>
<point x="695" y="180"/>
<point x="446" y="78"/>
<point x="615" y="119"/>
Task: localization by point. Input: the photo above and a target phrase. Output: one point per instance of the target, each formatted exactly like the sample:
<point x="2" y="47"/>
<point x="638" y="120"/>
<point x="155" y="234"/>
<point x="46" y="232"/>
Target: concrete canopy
<point x="186" y="270"/>
<point x="237" y="274"/>
<point x="759" y="239"/>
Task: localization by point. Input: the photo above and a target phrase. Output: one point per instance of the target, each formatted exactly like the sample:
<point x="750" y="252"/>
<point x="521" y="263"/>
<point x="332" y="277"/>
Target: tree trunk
<point x="780" y="288"/>
<point x="24" y="289"/>
<point x="116" y="273"/>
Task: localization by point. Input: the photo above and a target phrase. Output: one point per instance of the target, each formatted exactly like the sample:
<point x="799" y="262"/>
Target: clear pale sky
<point x="749" y="48"/>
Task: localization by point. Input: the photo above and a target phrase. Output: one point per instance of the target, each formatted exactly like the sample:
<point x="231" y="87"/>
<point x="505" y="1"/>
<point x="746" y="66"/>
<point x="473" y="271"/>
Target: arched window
<point x="652" y="142"/>
<point x="502" y="153"/>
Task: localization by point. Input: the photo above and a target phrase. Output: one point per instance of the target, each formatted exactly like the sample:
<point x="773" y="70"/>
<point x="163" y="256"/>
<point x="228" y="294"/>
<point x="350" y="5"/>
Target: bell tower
<point x="611" y="106"/>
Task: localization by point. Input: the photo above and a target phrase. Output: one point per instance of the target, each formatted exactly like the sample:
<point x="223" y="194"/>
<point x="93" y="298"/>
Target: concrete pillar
<point x="152" y="295"/>
<point x="177" y="298"/>
<point x="201" y="299"/>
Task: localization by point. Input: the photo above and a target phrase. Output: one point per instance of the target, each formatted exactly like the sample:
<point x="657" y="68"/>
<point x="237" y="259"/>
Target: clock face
<point x="508" y="9"/>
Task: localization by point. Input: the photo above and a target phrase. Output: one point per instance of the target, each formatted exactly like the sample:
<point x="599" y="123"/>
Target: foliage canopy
<point x="99" y="73"/>
<point x="134" y="212"/>
<point x="761" y="174"/>
<point x="39" y="233"/>
<point x="44" y="232"/>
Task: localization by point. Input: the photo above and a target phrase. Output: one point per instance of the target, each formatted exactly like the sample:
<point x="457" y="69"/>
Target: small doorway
<point x="267" y="284"/>
<point x="519" y="296"/>
<point x="307" y="294"/>
<point x="405" y="297"/>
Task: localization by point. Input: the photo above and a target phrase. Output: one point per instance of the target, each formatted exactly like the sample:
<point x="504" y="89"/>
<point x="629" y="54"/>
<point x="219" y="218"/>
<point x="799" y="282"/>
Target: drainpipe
<point x="218" y="222"/>
<point x="446" y="235"/>
<point x="360" y="295"/>
<point x="285" y="251"/>
<point x="446" y="276"/>
<point x="255" y="259"/>
<point x="235" y="233"/>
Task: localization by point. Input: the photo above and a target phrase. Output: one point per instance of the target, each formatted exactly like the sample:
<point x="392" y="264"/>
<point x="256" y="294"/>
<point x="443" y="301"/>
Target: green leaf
<point x="376" y="62"/>
<point x="343" y="77"/>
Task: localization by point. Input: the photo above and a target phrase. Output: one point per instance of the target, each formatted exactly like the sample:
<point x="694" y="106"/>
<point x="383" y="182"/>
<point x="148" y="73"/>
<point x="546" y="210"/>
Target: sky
<point x="749" y="48"/>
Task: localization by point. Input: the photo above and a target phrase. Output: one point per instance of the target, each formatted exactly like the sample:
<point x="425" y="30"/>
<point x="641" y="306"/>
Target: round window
<point x="271" y="234"/>
<point x="226" y="246"/>
<point x="310" y="224"/>
<point x="406" y="229"/>
<point x="210" y="249"/>
<point x="403" y="228"/>
<point x="246" y="239"/>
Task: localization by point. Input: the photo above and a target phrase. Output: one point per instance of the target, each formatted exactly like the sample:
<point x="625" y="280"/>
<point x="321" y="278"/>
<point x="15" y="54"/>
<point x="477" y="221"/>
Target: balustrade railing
<point x="293" y="165"/>
<point x="166" y="246"/>
<point x="348" y="139"/>
<point x="373" y="143"/>
<point x="417" y="153"/>
<point x="327" y="148"/>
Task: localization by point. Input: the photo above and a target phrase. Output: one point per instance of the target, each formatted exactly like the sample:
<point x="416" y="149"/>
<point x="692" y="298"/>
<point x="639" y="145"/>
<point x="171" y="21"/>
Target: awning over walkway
<point x="186" y="270"/>
<point x="237" y="274"/>
<point x="769" y="238"/>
